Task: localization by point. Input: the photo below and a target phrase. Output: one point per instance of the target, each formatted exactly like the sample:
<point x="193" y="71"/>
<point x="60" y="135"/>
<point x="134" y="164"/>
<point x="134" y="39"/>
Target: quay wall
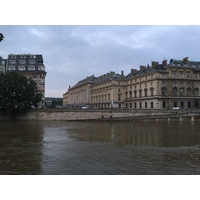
<point x="107" y="115"/>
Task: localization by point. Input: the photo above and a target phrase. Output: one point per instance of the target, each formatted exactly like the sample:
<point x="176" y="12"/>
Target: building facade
<point x="159" y="86"/>
<point x="2" y="64"/>
<point x="29" y="65"/>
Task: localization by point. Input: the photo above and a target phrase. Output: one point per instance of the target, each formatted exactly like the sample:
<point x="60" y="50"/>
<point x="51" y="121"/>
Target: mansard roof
<point x="186" y="63"/>
<point x="145" y="70"/>
<point x="89" y="79"/>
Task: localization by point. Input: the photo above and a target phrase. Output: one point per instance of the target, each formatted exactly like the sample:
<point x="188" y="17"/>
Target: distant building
<point x="159" y="86"/>
<point x="29" y="65"/>
<point x="65" y="99"/>
<point x="2" y="64"/>
<point x="53" y="102"/>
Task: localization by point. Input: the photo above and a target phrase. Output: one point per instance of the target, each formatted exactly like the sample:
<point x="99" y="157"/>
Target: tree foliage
<point x="1" y="37"/>
<point x="18" y="94"/>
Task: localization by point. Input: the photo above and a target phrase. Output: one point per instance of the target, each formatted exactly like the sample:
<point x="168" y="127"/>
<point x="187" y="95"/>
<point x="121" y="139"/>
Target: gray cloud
<point x="72" y="53"/>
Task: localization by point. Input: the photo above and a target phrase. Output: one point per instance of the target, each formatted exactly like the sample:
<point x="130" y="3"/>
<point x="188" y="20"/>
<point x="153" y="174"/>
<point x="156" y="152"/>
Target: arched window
<point x="145" y="92"/>
<point x="140" y="93"/>
<point x="152" y="91"/>
<point x="135" y="92"/>
<point x="130" y="94"/>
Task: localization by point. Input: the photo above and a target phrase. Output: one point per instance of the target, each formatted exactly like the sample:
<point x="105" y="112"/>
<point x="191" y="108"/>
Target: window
<point x="31" y="68"/>
<point x="21" y="68"/>
<point x="164" y="104"/>
<point x="135" y="93"/>
<point x="140" y="105"/>
<point x="163" y="90"/>
<point x="145" y="104"/>
<point x="12" y="62"/>
<point x="175" y="92"/>
<point x="40" y="67"/>
<point x="181" y="74"/>
<point x="152" y="90"/>
<point x="181" y="91"/>
<point x="130" y="94"/>
<point x="11" y="68"/>
<point x="140" y="93"/>
<point x="189" y="92"/>
<point x="196" y="92"/>
<point x="182" y="104"/>
<point x="22" y="62"/>
<point x="189" y="104"/>
<point x="119" y="97"/>
<point x="126" y="93"/>
<point x="130" y="105"/>
<point x="135" y="105"/>
<point x="174" y="74"/>
<point x="32" y="62"/>
<point x="145" y="92"/>
<point x="151" y="104"/>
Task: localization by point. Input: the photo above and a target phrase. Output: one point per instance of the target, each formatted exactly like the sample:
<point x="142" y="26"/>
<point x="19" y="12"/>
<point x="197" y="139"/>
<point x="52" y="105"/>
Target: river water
<point x="84" y="148"/>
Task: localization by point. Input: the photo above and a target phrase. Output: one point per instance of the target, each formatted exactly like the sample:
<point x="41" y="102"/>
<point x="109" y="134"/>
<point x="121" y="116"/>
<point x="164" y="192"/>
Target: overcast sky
<point x="87" y="40"/>
<point x="71" y="53"/>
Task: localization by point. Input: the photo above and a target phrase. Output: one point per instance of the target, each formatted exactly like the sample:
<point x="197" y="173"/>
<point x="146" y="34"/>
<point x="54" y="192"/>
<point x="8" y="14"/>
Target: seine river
<point x="99" y="148"/>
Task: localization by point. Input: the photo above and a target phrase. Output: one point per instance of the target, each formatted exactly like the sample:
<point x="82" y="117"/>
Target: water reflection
<point x="59" y="147"/>
<point x="138" y="134"/>
<point x="21" y="147"/>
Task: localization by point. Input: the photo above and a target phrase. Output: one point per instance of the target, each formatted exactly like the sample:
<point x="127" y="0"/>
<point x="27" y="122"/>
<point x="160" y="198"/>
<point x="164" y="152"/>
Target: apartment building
<point x="29" y="65"/>
<point x="2" y="64"/>
<point x="159" y="86"/>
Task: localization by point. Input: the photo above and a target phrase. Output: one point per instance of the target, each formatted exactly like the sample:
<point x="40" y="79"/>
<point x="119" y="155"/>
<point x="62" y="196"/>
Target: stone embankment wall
<point x="86" y="115"/>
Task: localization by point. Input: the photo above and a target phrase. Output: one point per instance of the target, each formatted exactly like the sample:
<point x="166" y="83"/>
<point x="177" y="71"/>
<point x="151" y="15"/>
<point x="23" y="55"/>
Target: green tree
<point x="1" y="37"/>
<point x="18" y="94"/>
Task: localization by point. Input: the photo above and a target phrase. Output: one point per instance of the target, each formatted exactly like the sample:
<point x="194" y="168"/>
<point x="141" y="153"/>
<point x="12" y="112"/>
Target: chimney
<point x="142" y="68"/>
<point x="133" y="71"/>
<point x="154" y="63"/>
<point x="164" y="62"/>
<point x="122" y="73"/>
<point x="185" y="60"/>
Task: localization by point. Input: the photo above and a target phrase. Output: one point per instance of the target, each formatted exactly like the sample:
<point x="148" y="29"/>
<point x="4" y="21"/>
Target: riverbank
<point x="109" y="115"/>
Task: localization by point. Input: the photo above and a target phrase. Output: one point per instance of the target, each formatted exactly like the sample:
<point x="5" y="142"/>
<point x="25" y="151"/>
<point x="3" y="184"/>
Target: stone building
<point x="108" y="91"/>
<point x="159" y="86"/>
<point x="79" y="95"/>
<point x="29" y="65"/>
<point x="66" y="99"/>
